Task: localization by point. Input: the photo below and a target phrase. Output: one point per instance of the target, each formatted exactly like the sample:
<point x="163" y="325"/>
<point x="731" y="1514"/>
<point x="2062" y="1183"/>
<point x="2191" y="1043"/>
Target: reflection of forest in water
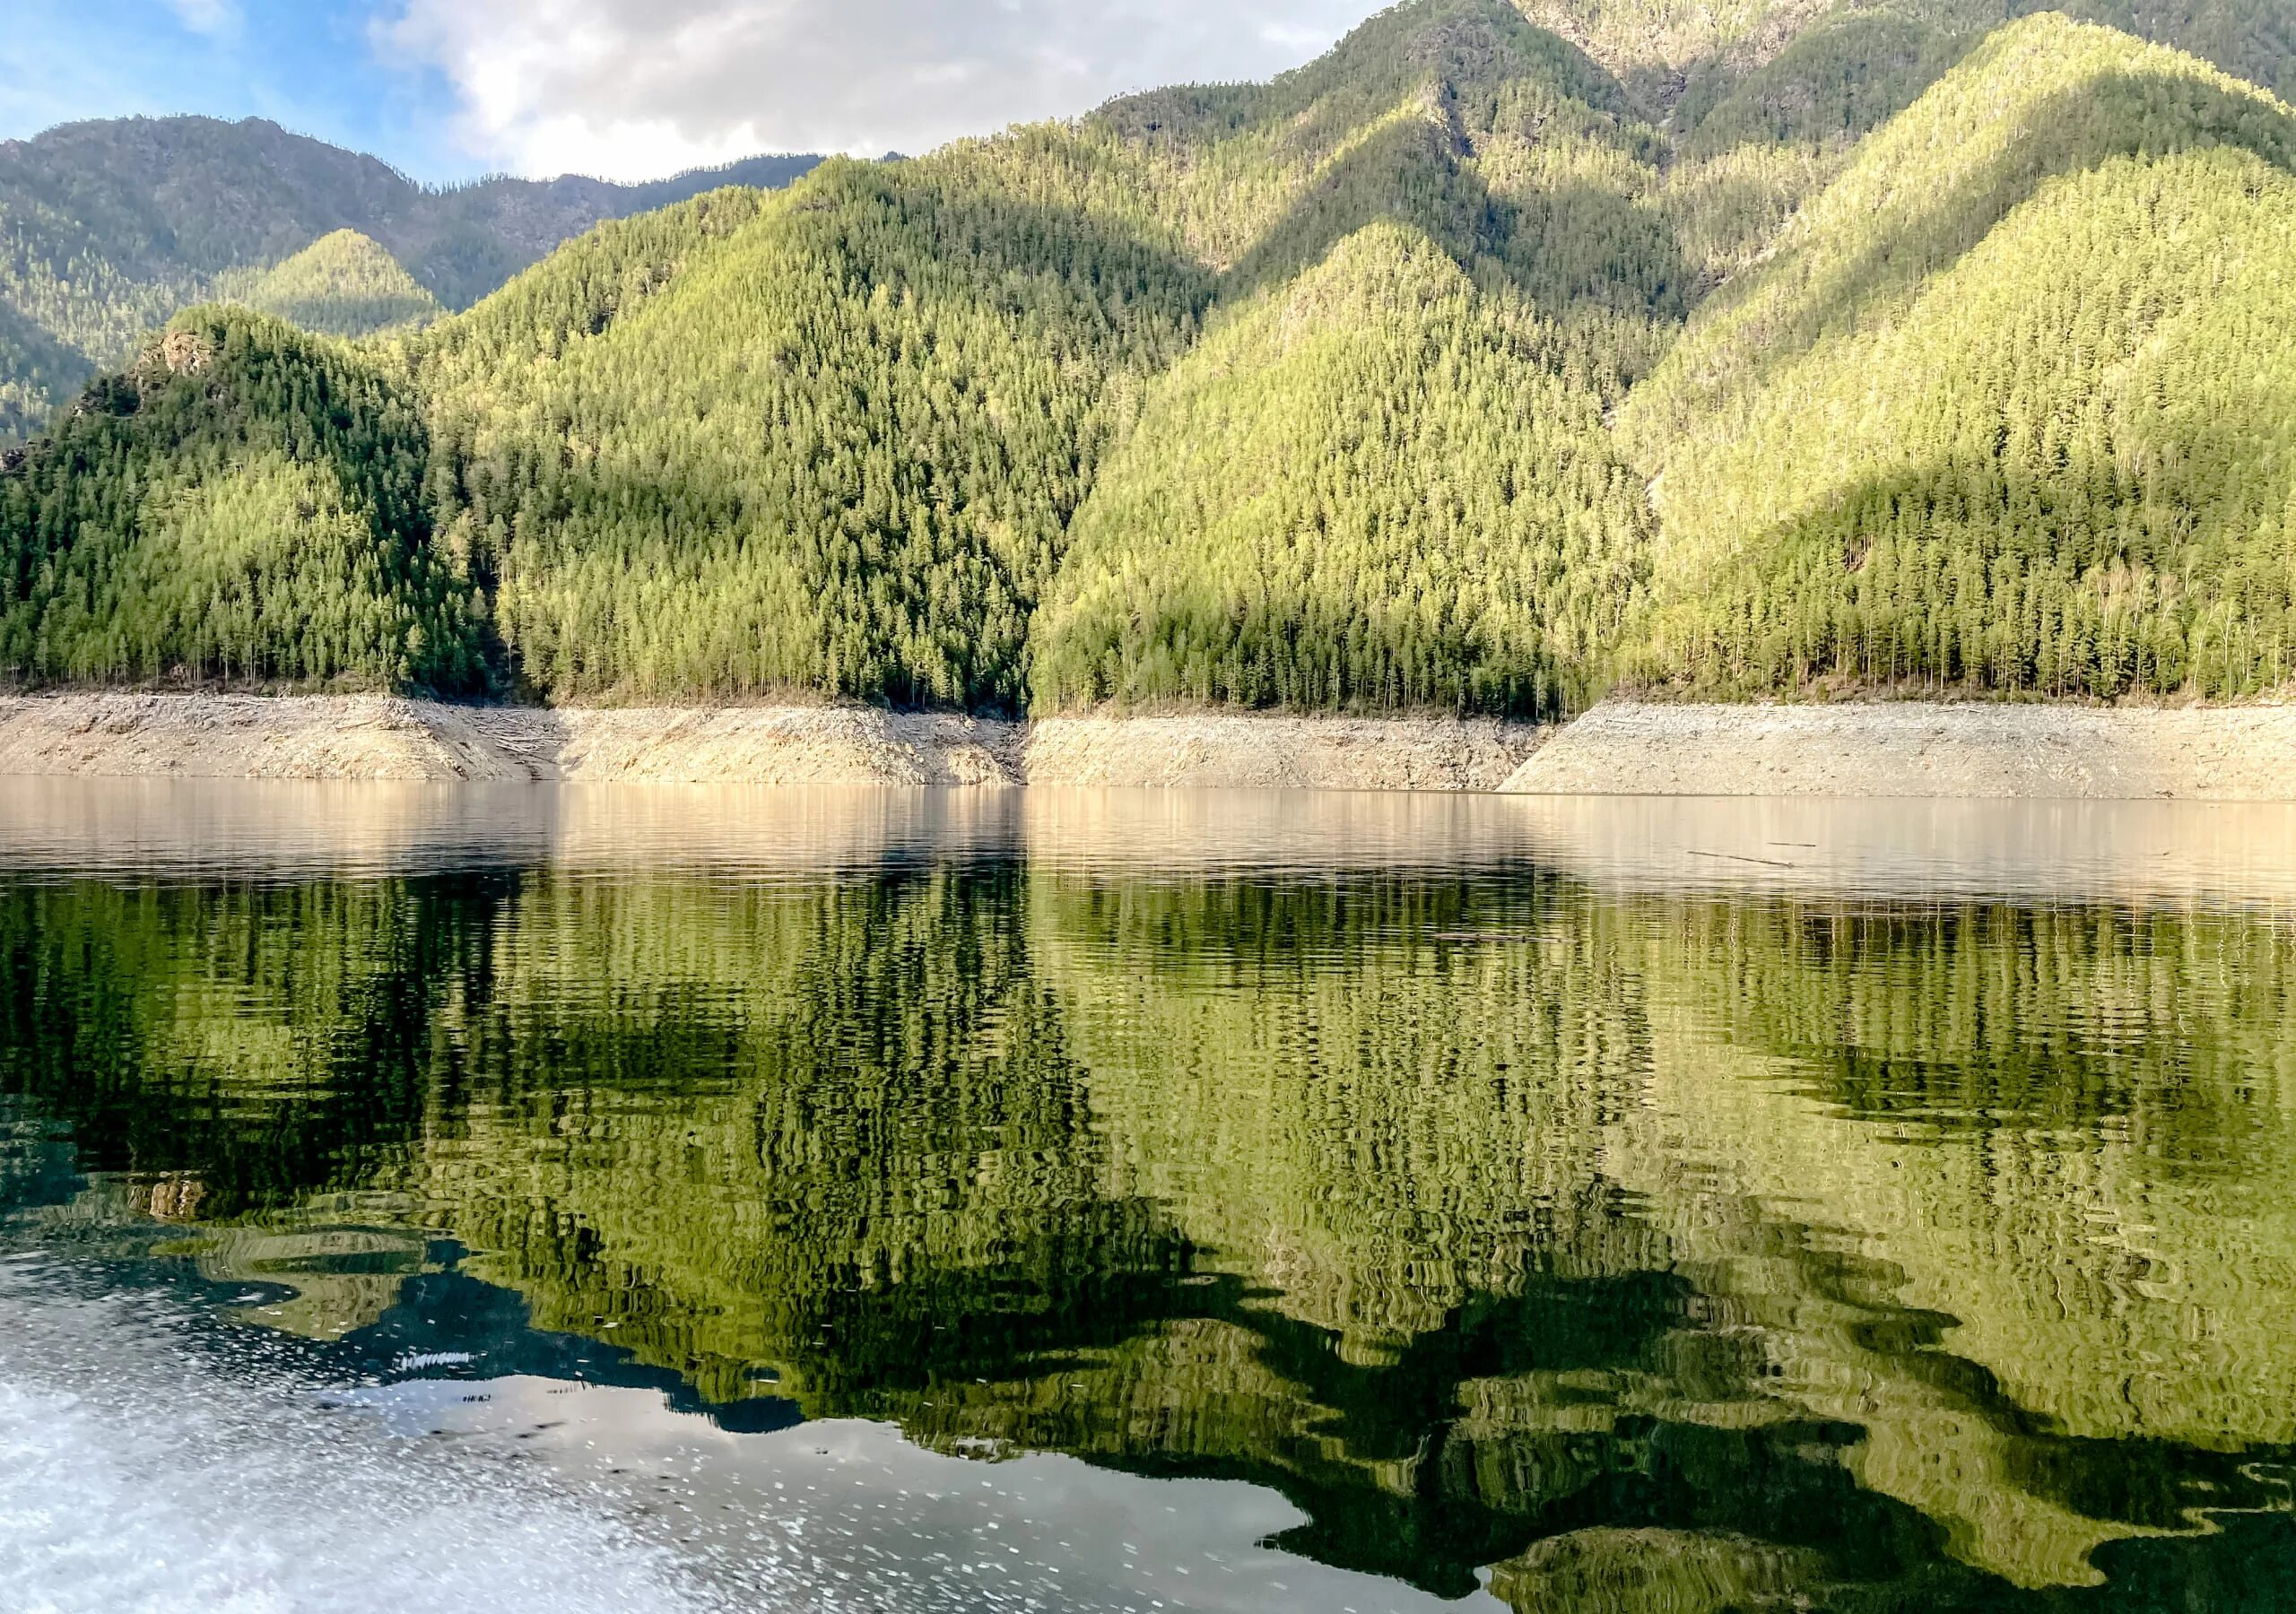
<point x="1729" y="1250"/>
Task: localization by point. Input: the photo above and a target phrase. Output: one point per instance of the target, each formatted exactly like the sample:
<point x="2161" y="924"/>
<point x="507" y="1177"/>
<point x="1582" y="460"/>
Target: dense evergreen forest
<point x="1509" y="353"/>
<point x="2013" y="402"/>
<point x="343" y="284"/>
<point x="1372" y="487"/>
<point x="247" y="502"/>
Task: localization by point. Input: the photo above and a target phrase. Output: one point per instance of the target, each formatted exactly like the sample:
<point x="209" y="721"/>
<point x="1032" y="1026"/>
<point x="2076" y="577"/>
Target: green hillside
<point x="245" y="504"/>
<point x="1797" y="349"/>
<point x="826" y="442"/>
<point x="1374" y="487"/>
<point x="2011" y="404"/>
<point x="1495" y="138"/>
<point x="841" y="447"/>
<point x="107" y="228"/>
<point x="340" y="285"/>
<point x="1686" y="56"/>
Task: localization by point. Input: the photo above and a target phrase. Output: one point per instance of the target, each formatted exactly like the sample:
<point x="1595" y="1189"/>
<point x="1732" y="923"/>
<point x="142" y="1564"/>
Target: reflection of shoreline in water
<point x="1461" y="1208"/>
<point x="2211" y="855"/>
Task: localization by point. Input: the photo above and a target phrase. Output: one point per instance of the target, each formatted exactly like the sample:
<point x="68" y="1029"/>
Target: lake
<point x="683" y="1198"/>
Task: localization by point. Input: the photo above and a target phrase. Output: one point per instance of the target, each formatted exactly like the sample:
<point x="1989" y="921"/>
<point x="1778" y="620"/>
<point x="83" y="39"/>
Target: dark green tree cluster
<point x="245" y="504"/>
<point x="1377" y="487"/>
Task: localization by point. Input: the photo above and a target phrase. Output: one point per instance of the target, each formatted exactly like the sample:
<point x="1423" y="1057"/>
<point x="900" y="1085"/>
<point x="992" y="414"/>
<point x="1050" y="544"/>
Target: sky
<point x="446" y="89"/>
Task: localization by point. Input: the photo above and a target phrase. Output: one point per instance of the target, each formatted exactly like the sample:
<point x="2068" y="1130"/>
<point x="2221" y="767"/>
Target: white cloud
<point x="635" y="89"/>
<point x="216" y="18"/>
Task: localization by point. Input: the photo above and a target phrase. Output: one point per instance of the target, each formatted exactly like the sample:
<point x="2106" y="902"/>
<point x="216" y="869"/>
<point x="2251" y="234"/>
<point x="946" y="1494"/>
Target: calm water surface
<point x="655" y="1199"/>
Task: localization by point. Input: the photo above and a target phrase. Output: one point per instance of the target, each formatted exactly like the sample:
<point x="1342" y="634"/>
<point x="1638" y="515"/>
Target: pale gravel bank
<point x="1891" y="749"/>
<point x="120" y="734"/>
<point x="1878" y="749"/>
<point x="1303" y="753"/>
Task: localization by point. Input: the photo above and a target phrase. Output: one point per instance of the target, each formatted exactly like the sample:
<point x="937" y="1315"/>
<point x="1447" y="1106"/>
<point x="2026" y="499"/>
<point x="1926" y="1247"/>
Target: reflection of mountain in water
<point x="1713" y="1252"/>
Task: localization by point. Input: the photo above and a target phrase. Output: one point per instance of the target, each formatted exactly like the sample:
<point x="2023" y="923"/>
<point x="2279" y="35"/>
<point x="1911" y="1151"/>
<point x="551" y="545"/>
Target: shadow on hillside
<point x="1846" y="76"/>
<point x="1563" y="247"/>
<point x="2069" y="131"/>
<point x="1973" y="572"/>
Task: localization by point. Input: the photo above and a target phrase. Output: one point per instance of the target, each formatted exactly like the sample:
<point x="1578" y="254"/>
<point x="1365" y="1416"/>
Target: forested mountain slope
<point x="246" y="502"/>
<point x="2012" y="404"/>
<point x="841" y="445"/>
<point x="1374" y="487"/>
<point x="1383" y="478"/>
<point x="1503" y="143"/>
<point x="340" y="285"/>
<point x="1761" y="100"/>
<point x="826" y="441"/>
<point x="1686" y="56"/>
<point x="108" y="227"/>
<point x="1464" y="367"/>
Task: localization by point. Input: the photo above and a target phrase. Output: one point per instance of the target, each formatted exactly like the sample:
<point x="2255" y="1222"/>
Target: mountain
<point x="828" y="439"/>
<point x="246" y="502"/>
<point x="2012" y="402"/>
<point x="1466" y="366"/>
<point x="1683" y="58"/>
<point x="107" y="228"/>
<point x="340" y="285"/>
<point x="1383" y="479"/>
<point x="1374" y="486"/>
<point x="840" y="445"/>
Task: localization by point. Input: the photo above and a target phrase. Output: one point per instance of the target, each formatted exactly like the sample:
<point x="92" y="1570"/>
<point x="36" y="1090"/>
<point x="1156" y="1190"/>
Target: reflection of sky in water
<point x="148" y="1463"/>
<point x="1059" y="1200"/>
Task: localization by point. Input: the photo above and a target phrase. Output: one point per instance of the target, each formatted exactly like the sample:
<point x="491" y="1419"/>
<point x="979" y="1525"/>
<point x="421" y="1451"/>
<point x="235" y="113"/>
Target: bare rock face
<point x="377" y="737"/>
<point x="1231" y="749"/>
<point x="185" y="353"/>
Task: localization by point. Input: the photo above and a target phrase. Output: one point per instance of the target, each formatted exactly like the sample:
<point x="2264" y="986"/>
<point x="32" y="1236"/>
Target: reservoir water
<point x="648" y="1198"/>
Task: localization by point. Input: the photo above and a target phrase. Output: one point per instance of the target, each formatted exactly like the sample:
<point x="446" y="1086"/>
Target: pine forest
<point x="1508" y="355"/>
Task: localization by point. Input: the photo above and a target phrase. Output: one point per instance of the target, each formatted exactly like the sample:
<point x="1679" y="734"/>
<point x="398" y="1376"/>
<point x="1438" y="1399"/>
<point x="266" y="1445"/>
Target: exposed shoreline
<point x="1923" y="750"/>
<point x="1872" y="749"/>
<point x="130" y="735"/>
